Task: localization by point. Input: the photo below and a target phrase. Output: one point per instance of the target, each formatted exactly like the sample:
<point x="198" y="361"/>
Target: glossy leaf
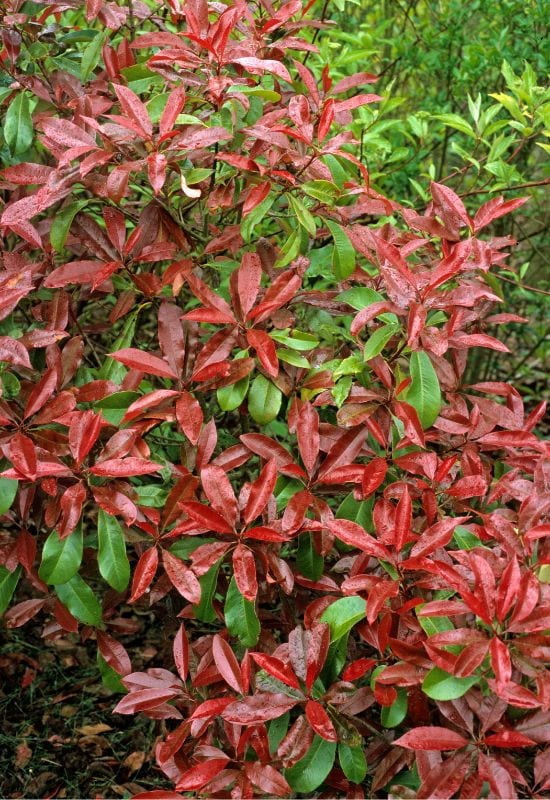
<point x="111" y="557"/>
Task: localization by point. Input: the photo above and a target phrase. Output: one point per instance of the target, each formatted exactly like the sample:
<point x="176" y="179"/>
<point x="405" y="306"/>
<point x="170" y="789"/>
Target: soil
<point x="58" y="736"/>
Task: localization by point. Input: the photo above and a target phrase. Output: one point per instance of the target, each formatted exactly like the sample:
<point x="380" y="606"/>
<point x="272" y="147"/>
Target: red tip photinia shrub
<point x="234" y="373"/>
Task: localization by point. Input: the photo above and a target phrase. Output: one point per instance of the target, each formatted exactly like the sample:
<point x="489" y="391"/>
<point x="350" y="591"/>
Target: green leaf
<point x="463" y="539"/>
<point x="91" y="56"/>
<point x="240" y="617"/>
<point x="391" y="716"/>
<point x="204" y="611"/>
<point x="378" y="340"/>
<point x="110" y="679"/>
<point x="61" y="225"/>
<point x="324" y="191"/>
<point x="249" y="225"/>
<point x="424" y="393"/>
<point x="343" y="614"/>
<point x="304" y="216"/>
<point x="264" y="400"/>
<point x="353" y="762"/>
<point x="61" y="558"/>
<point x="343" y="257"/>
<point x="310" y="564"/>
<point x="291" y="357"/>
<point x="18" y="127"/>
<point x="276" y="731"/>
<point x="359" y="511"/>
<point x="295" y="340"/>
<point x="433" y="625"/>
<point x="310" y="772"/>
<point x="455" y="121"/>
<point x="112" y="370"/>
<point x="114" y="406"/>
<point x="440" y="685"/>
<point x="112" y="560"/>
<point x="8" y="582"/>
<point x="231" y="397"/>
<point x="290" y="248"/>
<point x="360" y="297"/>
<point x="77" y="596"/>
<point x="8" y="490"/>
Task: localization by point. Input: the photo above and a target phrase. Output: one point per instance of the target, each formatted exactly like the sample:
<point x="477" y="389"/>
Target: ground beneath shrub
<point x="58" y="737"/>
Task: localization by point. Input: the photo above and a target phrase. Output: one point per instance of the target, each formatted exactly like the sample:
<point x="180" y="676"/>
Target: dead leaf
<point x="68" y="711"/>
<point x="23" y="755"/>
<point x="91" y="730"/>
<point x="134" y="761"/>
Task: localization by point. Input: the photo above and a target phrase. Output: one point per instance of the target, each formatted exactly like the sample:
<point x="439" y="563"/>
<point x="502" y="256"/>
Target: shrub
<point x="222" y="385"/>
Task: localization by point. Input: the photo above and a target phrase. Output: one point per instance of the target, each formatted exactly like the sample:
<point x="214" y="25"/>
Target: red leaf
<point x="207" y="518"/>
<point x="436" y="536"/>
<point x="227" y="664"/>
<point x="260" y="65"/>
<point x="172" y="109"/>
<point x="124" y="467"/>
<point x="14" y="352"/>
<point x="143" y="700"/>
<point x="268" y="779"/>
<point x="267" y="448"/>
<point x="190" y="417"/>
<point x="373" y="476"/>
<point x="260" y="491"/>
<point x="195" y="778"/>
<point x="495" y="208"/>
<point x="431" y="738"/>
<point x="470" y="486"/>
<point x="463" y="341"/>
<point x="354" y="535"/>
<point x="134" y="109"/>
<point x="254" y="197"/>
<point x="261" y="707"/>
<point x="42" y="392"/>
<point x="276" y="668"/>
<point x="507" y="739"/>
<point x="144" y="573"/>
<point x="83" y="433"/>
<point x="358" y="668"/>
<point x="182" y="578"/>
<point x="450" y="208"/>
<point x="307" y="431"/>
<point x="326" y="119"/>
<point x="219" y="491"/>
<point x="156" y="170"/>
<point x="320" y="721"/>
<point x="508" y="588"/>
<point x="249" y="276"/>
<point x="508" y="439"/>
<point x="22" y="454"/>
<point x="318" y="642"/>
<point x="171" y="338"/>
<point x="344" y="451"/>
<point x="265" y="349"/>
<point x="114" y="653"/>
<point x="403" y="520"/>
<point x="181" y="652"/>
<point x="22" y="612"/>
<point x="144" y="362"/>
<point x="244" y="570"/>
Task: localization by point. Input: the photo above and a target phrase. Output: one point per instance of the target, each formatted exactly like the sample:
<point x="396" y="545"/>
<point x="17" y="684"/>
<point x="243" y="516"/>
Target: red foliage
<point x="371" y="564"/>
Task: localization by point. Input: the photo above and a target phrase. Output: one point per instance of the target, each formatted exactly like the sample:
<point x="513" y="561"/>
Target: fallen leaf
<point x="91" y="730"/>
<point x="134" y="761"/>
<point x="23" y="755"/>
